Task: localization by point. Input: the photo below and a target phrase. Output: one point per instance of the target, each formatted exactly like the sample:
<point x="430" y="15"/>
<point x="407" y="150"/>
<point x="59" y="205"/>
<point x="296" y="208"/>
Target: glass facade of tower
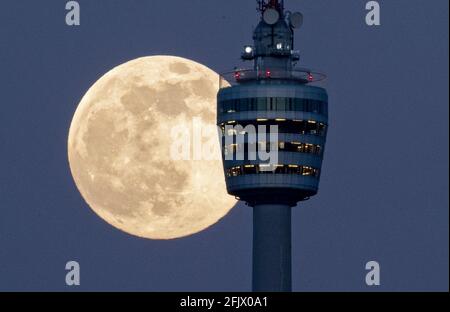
<point x="273" y="93"/>
<point x="300" y="112"/>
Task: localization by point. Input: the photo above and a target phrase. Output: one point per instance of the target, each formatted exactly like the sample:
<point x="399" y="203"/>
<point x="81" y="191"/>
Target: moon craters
<point x="119" y="149"/>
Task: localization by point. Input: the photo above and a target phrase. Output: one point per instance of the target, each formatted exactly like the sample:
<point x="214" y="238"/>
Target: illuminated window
<point x="308" y="171"/>
<point x="237" y="171"/>
<point x="234" y="148"/>
<point x="274" y="169"/>
<point x="249" y="169"/>
<point x="284" y="126"/>
<point x="295" y="147"/>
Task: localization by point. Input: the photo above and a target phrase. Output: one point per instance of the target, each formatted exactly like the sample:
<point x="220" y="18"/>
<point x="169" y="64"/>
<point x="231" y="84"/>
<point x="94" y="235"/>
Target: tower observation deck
<point x="276" y="94"/>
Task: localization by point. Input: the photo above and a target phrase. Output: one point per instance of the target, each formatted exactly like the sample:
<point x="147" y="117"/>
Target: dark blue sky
<point x="384" y="188"/>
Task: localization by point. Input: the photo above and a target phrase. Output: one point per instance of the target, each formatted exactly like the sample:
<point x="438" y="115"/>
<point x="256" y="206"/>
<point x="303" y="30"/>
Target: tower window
<point x="274" y="104"/>
<point x="285" y="126"/>
<point x="275" y="169"/>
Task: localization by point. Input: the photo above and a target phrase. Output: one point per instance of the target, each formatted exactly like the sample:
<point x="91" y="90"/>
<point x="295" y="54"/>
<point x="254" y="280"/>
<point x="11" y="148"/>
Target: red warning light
<point x="237" y="75"/>
<point x="310" y="77"/>
<point x="268" y="74"/>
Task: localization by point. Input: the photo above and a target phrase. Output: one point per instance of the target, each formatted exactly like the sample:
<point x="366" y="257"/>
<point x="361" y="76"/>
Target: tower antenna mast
<point x="264" y="4"/>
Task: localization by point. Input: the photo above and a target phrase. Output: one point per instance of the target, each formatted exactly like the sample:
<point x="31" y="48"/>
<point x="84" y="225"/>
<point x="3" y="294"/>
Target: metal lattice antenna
<point x="275" y="4"/>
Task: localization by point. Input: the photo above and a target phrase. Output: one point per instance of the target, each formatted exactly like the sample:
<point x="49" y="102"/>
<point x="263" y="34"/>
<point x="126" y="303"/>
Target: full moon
<point x="120" y="148"/>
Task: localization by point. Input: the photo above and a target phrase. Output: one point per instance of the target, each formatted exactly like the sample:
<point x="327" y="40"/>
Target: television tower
<point x="273" y="92"/>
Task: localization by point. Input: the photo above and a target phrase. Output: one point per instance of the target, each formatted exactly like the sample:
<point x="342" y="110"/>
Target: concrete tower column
<point x="272" y="248"/>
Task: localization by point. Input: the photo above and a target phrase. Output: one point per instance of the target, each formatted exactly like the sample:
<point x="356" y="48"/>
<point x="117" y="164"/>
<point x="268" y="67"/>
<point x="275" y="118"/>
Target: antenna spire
<point x="272" y="4"/>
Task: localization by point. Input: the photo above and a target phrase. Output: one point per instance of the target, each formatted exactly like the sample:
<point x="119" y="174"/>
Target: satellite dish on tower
<point x="296" y="20"/>
<point x="271" y="16"/>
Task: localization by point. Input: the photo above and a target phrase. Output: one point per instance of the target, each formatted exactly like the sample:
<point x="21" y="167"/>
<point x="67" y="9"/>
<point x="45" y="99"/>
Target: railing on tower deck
<point x="299" y="75"/>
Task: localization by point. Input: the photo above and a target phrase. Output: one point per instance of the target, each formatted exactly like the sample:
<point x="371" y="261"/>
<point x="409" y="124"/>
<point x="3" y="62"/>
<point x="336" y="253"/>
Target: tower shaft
<point x="272" y="248"/>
